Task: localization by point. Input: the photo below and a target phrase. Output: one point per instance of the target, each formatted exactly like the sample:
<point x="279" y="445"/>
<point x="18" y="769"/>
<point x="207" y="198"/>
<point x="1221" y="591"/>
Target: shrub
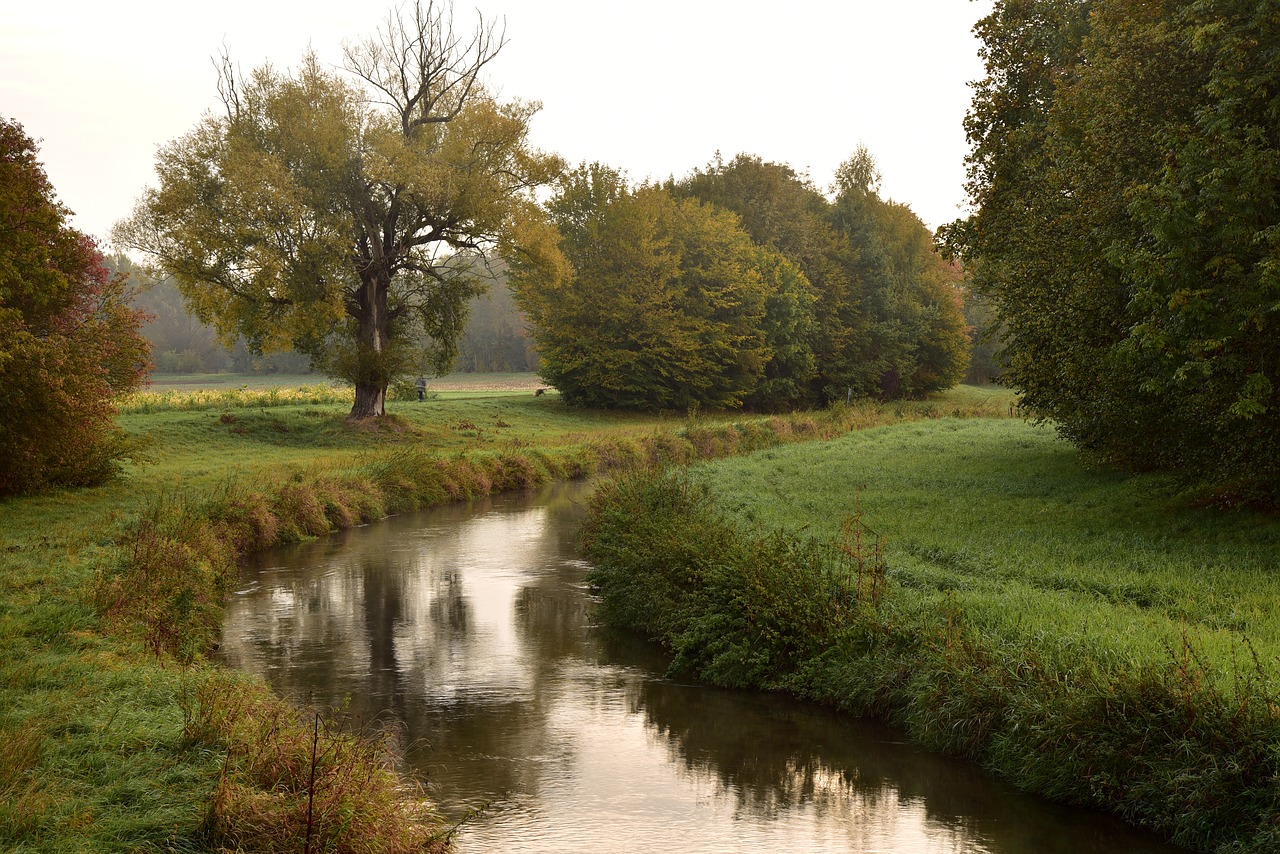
<point x="69" y="342"/>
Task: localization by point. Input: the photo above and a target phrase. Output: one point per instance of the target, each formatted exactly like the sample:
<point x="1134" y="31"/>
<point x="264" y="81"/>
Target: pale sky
<point x="654" y="88"/>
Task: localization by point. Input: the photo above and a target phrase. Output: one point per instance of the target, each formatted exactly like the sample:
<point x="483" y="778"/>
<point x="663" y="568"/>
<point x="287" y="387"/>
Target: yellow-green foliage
<point x="239" y="398"/>
<point x="668" y="304"/>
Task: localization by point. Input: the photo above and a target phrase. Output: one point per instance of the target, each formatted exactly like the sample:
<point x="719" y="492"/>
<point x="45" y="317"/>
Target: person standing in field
<point x="421" y="385"/>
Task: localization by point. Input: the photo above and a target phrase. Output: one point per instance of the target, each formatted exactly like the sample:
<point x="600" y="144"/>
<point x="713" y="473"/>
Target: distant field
<point x="448" y="383"/>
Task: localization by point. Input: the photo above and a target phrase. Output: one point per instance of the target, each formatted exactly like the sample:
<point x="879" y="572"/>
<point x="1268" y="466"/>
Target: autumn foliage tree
<point x="320" y="210"/>
<point x="69" y="341"/>
<point x="662" y="303"/>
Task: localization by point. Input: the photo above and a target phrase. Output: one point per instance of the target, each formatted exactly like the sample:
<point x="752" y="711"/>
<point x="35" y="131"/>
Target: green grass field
<point x="1002" y="520"/>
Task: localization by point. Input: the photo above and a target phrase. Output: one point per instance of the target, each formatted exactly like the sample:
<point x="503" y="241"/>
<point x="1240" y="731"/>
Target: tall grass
<point x="174" y="400"/>
<point x="297" y="780"/>
<point x="1087" y="636"/>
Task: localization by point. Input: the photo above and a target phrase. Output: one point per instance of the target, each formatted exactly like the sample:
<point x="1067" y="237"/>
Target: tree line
<point x="740" y="285"/>
<point x="1126" y="178"/>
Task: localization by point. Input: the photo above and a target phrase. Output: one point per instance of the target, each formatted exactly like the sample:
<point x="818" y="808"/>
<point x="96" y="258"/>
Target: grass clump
<point x="298" y="780"/>
<point x="1085" y="635"/>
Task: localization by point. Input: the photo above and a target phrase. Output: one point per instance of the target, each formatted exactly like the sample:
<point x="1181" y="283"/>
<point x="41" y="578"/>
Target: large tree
<point x="69" y="339"/>
<point x="664" y="303"/>
<point x="786" y="213"/>
<point x="918" y="338"/>
<point x="320" y="211"/>
<point x="887" y="320"/>
<point x="1126" y="174"/>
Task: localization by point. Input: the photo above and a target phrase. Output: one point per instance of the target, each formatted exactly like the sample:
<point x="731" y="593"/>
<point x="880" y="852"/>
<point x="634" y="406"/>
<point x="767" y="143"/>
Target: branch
<point x="228" y="88"/>
<point x="422" y="69"/>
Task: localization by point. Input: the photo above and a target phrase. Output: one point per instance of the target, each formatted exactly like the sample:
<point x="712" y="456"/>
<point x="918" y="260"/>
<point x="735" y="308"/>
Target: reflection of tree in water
<point x="410" y="621"/>
<point x="552" y="616"/>
<point x="772" y="754"/>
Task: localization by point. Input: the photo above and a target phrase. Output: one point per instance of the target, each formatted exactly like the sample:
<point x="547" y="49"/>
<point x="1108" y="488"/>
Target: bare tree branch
<point x="228" y="87"/>
<point x="422" y="68"/>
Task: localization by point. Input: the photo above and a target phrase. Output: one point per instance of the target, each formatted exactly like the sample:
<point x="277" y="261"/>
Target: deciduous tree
<point x="320" y="211"/>
<point x="886" y="316"/>
<point x="664" y="304"/>
<point x="918" y="338"/>
<point x="69" y="340"/>
<point x="1126" y="173"/>
<point x="783" y="211"/>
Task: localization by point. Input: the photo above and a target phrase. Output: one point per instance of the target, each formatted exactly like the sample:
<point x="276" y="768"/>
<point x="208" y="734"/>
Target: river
<point x="471" y="627"/>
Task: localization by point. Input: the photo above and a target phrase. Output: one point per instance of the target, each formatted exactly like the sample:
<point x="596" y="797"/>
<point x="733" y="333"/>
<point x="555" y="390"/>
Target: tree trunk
<point x="373" y="333"/>
<point x="371" y="400"/>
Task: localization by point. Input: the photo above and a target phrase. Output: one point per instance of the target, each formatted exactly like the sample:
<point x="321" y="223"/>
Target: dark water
<point x="470" y="627"/>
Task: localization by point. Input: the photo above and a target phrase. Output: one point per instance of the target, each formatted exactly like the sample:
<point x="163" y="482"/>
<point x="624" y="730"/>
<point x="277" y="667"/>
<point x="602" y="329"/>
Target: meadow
<point x="1089" y="635"/>
<point x="115" y="732"/>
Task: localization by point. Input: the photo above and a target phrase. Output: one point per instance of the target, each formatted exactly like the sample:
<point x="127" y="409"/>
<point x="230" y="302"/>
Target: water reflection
<point x="470" y="627"/>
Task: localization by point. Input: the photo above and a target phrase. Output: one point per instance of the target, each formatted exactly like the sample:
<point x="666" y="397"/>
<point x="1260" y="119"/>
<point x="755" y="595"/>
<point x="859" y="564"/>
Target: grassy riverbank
<point x="114" y="736"/>
<point x="1086" y="635"/>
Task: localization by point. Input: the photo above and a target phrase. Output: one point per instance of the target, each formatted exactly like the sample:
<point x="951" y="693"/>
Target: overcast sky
<point x="654" y="88"/>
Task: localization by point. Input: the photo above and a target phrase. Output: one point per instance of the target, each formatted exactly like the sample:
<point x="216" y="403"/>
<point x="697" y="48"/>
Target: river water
<point x="471" y="628"/>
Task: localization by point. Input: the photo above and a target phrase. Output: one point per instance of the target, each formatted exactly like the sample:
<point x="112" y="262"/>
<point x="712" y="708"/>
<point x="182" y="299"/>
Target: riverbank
<point x="114" y="734"/>
<point x="1086" y="635"/>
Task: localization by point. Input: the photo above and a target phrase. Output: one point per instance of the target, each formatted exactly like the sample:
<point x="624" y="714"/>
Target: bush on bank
<point x="1168" y="746"/>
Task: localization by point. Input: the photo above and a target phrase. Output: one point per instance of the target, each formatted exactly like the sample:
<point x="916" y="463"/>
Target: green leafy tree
<point x="919" y="339"/>
<point x="69" y="339"/>
<point x="1126" y="171"/>
<point x="319" y="211"/>
<point x="663" y="303"/>
<point x="788" y="325"/>
<point x="887" y="320"/>
<point x="784" y="212"/>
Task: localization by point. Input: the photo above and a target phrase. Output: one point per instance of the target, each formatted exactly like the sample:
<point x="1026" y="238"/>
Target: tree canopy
<point x="886" y="317"/>
<point x="1126" y="175"/>
<point x="319" y="210"/>
<point x="69" y="340"/>
<point x="663" y="304"/>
